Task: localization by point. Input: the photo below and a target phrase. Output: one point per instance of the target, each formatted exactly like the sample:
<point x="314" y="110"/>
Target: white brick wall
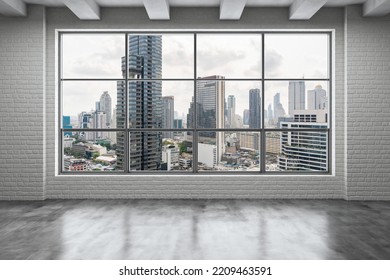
<point x="196" y="186"/>
<point x="21" y="106"/>
<point x="368" y="79"/>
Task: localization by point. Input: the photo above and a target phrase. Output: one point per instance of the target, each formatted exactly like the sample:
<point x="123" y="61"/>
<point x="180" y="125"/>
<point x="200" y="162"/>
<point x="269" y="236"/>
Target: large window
<point x="195" y="102"/>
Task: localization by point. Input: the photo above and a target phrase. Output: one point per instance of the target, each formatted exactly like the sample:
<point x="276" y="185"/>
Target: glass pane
<point x="160" y="56"/>
<point x="91" y="105"/>
<point x="296" y="56"/>
<point x="159" y="104"/>
<point x="297" y="151"/>
<point x="90" y="151"/>
<point x="92" y="55"/>
<point x="227" y="104"/>
<point x="296" y="101"/>
<point x="229" y="55"/>
<point x="228" y="151"/>
<point x="153" y="151"/>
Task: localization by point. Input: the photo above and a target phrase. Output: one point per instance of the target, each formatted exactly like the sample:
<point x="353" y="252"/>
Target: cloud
<point x="273" y="61"/>
<point x="218" y="59"/>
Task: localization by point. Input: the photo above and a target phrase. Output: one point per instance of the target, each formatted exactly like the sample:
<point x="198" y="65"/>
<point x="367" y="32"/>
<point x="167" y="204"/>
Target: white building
<point x="207" y="154"/>
<point x="316" y="98"/>
<point x="170" y="155"/>
<point x="304" y="150"/>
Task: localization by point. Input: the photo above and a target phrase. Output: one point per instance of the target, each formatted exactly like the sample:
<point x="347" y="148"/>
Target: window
<point x="195" y="102"/>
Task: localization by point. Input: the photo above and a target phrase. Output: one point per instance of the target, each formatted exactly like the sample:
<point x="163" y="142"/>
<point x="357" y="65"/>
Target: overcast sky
<point x="232" y="56"/>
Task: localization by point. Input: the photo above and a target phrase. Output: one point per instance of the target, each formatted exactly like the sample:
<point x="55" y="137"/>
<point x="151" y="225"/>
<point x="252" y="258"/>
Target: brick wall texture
<point x="28" y="112"/>
<point x="368" y="79"/>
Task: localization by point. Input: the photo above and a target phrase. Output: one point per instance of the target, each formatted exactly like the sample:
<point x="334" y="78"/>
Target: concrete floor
<point x="194" y="229"/>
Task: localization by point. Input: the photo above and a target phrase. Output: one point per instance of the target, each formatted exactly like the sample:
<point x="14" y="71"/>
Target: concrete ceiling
<point x="229" y="9"/>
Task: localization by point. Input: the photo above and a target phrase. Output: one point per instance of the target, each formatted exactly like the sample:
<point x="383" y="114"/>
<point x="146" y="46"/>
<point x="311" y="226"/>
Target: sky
<point x="234" y="56"/>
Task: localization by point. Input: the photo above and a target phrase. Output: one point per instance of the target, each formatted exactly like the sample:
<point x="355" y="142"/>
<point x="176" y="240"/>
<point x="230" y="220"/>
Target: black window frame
<point x="262" y="80"/>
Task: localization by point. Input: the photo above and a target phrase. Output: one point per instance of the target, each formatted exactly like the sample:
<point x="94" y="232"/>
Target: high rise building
<point x="66" y="125"/>
<point x="254" y="108"/>
<point x="144" y="101"/>
<point x="304" y="150"/>
<point x="246" y="117"/>
<point x="168" y="104"/>
<point x="279" y="111"/>
<point x="231" y="111"/>
<point x="270" y="112"/>
<point x="210" y="109"/>
<point x="316" y="98"/>
<point x="105" y="106"/>
<point x="177" y="123"/>
<point x="296" y="96"/>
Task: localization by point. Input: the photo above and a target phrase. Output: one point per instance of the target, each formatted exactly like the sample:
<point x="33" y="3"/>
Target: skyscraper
<point x="210" y="109"/>
<point x="144" y="101"/>
<point x="296" y="96"/>
<point x="270" y="112"/>
<point x="246" y="117"/>
<point x="105" y="106"/>
<point x="254" y="108"/>
<point x="168" y="104"/>
<point x="316" y="98"/>
<point x="231" y="111"/>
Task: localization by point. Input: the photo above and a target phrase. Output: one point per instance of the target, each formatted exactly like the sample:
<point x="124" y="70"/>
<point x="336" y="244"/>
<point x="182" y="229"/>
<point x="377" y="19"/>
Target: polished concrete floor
<point x="194" y="229"/>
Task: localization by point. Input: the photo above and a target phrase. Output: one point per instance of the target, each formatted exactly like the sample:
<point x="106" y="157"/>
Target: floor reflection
<point x="195" y="229"/>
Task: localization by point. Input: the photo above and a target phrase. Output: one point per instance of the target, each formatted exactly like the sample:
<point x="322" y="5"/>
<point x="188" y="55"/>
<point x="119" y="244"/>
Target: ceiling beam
<point x="376" y="8"/>
<point x="231" y="9"/>
<point x="84" y="9"/>
<point x="13" y="8"/>
<point x="305" y="9"/>
<point x="157" y="9"/>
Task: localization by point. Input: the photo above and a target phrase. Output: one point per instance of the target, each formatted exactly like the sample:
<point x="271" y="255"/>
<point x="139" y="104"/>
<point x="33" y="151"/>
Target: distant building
<point x="231" y="111"/>
<point x="168" y="110"/>
<point x="73" y="164"/>
<point x="316" y="98"/>
<point x="170" y="155"/>
<point x="207" y="154"/>
<point x="246" y="117"/>
<point x="66" y="125"/>
<point x="178" y="123"/>
<point x="270" y="112"/>
<point x="296" y="96"/>
<point x="254" y="108"/>
<point x="250" y="140"/>
<point x="106" y="107"/>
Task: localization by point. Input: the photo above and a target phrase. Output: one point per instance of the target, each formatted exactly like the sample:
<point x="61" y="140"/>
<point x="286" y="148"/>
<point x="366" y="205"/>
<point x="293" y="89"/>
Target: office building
<point x="316" y="98"/>
<point x="144" y="97"/>
<point x="304" y="150"/>
<point x="106" y="107"/>
<point x="168" y="104"/>
<point x="296" y="96"/>
<point x="254" y="108"/>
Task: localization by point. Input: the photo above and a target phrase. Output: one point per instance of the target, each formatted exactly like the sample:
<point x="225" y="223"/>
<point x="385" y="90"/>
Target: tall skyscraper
<point x="231" y="111"/>
<point x="296" y="96"/>
<point x="210" y="109"/>
<point x="279" y="111"/>
<point x="246" y="117"/>
<point x="105" y="106"/>
<point x="316" y="98"/>
<point x="254" y="108"/>
<point x="270" y="112"/>
<point x="168" y="104"/>
<point x="144" y="101"/>
<point x="66" y="124"/>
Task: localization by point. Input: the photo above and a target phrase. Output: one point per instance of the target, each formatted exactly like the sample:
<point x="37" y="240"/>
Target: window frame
<point x="263" y="130"/>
